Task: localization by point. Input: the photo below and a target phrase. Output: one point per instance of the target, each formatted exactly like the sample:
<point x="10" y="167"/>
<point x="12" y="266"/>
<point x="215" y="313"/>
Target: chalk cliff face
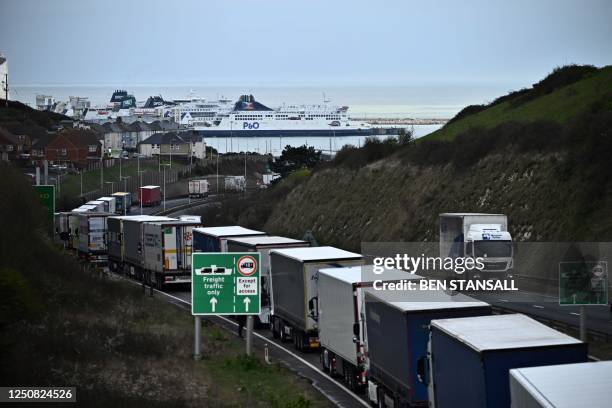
<point x="391" y="201"/>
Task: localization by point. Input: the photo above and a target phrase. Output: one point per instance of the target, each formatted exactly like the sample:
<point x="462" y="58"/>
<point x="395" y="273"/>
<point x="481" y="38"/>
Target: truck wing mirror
<point x="356" y="329"/>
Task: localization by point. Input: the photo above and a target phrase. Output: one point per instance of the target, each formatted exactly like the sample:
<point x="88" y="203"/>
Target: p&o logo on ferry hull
<point x="252" y="125"/>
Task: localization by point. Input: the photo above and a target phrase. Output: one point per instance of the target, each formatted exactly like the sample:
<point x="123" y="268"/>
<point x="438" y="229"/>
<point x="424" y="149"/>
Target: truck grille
<point x="495" y="266"/>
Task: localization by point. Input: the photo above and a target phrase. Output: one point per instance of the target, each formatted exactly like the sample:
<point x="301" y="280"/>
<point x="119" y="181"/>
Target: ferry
<point x="249" y="118"/>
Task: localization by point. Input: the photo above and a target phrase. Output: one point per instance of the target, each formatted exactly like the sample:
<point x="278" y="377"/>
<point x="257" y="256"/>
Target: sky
<point x="309" y="42"/>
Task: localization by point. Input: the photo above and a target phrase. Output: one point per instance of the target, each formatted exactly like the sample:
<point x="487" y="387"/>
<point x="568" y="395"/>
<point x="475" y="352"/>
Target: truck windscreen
<point x="493" y="249"/>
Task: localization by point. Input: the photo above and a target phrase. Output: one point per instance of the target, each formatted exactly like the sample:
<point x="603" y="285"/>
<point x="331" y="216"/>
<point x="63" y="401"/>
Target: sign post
<point x="225" y="283"/>
<point x="583" y="284"/>
<point x="47" y="198"/>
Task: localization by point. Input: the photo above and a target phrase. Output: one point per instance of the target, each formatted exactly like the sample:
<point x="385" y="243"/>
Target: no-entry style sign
<point x="225" y="283"/>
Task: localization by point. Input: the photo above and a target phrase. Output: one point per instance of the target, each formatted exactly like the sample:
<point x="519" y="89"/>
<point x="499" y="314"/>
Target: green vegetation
<point x="296" y="158"/>
<point x="62" y="324"/>
<point x="71" y="184"/>
<point x="566" y="93"/>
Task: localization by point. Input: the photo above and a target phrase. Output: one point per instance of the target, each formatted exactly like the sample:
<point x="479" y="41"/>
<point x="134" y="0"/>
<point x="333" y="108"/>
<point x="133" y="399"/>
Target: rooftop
<point x="497" y="332"/>
<point x="324" y="253"/>
<point x="229" y="231"/>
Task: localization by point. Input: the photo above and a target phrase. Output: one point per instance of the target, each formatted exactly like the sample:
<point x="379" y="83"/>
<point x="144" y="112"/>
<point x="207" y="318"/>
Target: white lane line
<point x="504" y="300"/>
<point x="339" y="385"/>
<point x="575" y="314"/>
<point x="538" y="306"/>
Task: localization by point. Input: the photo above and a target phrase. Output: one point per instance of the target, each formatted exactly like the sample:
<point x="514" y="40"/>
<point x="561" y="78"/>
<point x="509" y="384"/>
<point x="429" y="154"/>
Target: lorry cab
<point x="488" y="241"/>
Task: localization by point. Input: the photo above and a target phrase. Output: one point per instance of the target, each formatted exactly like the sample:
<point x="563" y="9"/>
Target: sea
<point x="426" y="101"/>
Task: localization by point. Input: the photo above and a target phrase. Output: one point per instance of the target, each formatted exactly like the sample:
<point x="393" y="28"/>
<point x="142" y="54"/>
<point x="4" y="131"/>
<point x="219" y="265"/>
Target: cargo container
<point x="294" y="274"/>
<point x="214" y="239"/>
<point x="114" y="239"/>
<point x="263" y="244"/>
<point x="86" y="208"/>
<point x="91" y="236"/>
<point x="341" y="319"/>
<point x="478" y="235"/>
<point x="149" y="196"/>
<point x="167" y="251"/>
<point x="132" y="241"/>
<point x="471" y="357"/>
<point x="73" y="225"/>
<point x="198" y="188"/>
<point x="110" y="204"/>
<point x="99" y="205"/>
<point x="123" y="202"/>
<point x="562" y="386"/>
<point x="402" y="318"/>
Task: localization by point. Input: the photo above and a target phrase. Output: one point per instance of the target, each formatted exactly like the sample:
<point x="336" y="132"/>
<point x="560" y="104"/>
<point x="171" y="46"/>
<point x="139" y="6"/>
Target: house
<point x="74" y="146"/>
<point x="9" y="145"/>
<point x="183" y="144"/>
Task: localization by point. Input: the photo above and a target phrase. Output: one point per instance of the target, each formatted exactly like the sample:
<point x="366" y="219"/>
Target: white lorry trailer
<point x="294" y="275"/>
<point x="91" y="236"/>
<point x="478" y="235"/>
<point x="110" y="204"/>
<point x="342" y="319"/>
<point x="198" y="188"/>
<point x="167" y="250"/>
<point x="263" y="244"/>
<point x="562" y="386"/>
<point x="214" y="239"/>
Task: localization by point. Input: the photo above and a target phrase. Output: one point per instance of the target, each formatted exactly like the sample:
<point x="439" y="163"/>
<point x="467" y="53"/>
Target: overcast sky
<point x="309" y="42"/>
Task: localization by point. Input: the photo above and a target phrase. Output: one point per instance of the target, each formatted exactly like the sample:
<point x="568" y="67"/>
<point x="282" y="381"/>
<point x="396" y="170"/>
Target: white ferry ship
<point x="250" y="118"/>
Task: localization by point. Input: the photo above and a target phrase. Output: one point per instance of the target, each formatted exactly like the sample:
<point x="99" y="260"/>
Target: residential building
<point x="74" y="146"/>
<point x="180" y="144"/>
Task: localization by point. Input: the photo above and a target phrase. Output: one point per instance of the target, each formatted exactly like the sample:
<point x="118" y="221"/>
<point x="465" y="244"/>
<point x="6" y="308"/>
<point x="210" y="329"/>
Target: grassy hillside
<point x="560" y="105"/>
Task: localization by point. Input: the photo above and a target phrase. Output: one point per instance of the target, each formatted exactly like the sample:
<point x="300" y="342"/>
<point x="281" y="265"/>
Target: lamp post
<point x="165" y="164"/>
<point x="140" y="186"/>
<point x="112" y="183"/>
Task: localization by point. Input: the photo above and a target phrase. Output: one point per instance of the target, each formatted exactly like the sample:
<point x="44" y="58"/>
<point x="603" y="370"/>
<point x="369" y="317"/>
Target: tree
<point x="294" y="158"/>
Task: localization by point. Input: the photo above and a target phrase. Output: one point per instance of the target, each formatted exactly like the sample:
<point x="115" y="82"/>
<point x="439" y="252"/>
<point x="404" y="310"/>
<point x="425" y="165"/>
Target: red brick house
<point x="73" y="146"/>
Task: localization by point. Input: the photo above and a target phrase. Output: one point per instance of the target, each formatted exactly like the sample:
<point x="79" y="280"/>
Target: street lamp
<point x="112" y="183"/>
<point x="125" y="182"/>
<point x="140" y="186"/>
<point x="165" y="165"/>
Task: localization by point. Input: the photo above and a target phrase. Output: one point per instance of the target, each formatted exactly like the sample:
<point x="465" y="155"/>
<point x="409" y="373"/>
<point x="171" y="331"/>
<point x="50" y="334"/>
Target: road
<point x="599" y="318"/>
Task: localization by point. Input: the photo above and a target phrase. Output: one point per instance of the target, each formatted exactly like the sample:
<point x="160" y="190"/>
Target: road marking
<point x="538" y="306"/>
<point x="504" y="300"/>
<point x="264" y="338"/>
<point x="575" y="314"/>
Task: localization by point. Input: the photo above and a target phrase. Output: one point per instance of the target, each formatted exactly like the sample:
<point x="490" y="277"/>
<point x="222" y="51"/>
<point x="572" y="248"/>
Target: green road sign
<point x="47" y="198"/>
<point x="583" y="283"/>
<point x="225" y="283"/>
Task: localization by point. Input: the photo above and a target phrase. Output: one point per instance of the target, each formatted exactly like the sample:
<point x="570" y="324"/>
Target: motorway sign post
<point x="225" y="283"/>
<point x="47" y="198"/>
<point x="583" y="284"/>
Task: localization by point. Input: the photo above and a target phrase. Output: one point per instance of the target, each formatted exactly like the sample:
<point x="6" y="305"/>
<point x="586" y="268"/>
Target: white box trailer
<point x="263" y="244"/>
<point x="91" y="236"/>
<point x="167" y="250"/>
<point x="562" y="386"/>
<point x="131" y="235"/>
<point x="214" y="239"/>
<point x="342" y="318"/>
<point x="99" y="205"/>
<point x="198" y="188"/>
<point x="109" y="204"/>
<point x="294" y="274"/>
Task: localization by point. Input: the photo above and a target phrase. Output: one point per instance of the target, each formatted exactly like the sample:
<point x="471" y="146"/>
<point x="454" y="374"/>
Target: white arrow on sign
<point x="213" y="303"/>
<point x="246" y="303"/>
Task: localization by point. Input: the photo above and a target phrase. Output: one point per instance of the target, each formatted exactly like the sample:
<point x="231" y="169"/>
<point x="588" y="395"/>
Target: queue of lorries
<point x="417" y="348"/>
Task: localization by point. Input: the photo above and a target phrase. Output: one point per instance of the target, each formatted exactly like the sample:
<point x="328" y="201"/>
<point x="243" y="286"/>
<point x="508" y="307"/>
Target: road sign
<point x="583" y="283"/>
<point x="47" y="198"/>
<point x="225" y="283"/>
